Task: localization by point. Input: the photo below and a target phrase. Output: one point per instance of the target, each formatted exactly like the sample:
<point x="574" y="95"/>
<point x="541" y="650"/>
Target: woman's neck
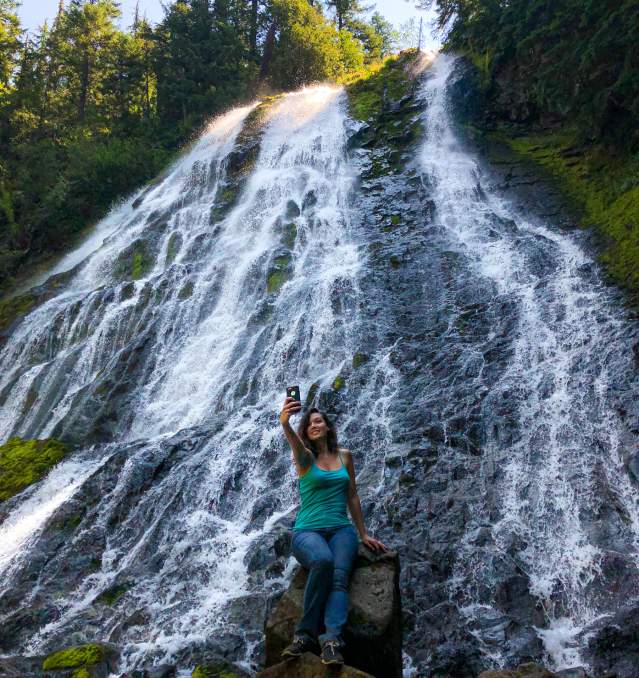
<point x="321" y="446"/>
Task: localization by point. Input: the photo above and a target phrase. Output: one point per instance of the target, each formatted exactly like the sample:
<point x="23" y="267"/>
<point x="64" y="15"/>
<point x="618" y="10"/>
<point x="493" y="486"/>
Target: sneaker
<point x="331" y="653"/>
<point x="298" y="647"/>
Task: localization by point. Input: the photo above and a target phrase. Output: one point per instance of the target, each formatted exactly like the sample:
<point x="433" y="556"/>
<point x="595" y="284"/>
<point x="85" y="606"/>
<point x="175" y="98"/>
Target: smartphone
<point x="294" y="392"/>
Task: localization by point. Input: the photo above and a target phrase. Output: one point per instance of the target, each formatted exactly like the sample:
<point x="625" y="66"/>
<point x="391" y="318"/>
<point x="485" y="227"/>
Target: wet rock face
<point x="373" y="634"/>
<point x="615" y="648"/>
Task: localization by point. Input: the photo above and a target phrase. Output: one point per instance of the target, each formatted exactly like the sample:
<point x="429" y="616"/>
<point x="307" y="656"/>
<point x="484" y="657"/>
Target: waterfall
<point x="223" y="347"/>
<point x="552" y="454"/>
<point x="466" y="346"/>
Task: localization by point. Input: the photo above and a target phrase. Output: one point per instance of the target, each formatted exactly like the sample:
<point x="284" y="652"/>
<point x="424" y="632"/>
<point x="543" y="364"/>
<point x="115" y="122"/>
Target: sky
<point x="34" y="12"/>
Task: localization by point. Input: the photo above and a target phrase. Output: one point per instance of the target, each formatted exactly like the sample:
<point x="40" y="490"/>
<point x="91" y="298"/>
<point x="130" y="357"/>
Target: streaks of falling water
<point x="221" y="356"/>
<point x="567" y="434"/>
<point x="61" y="346"/>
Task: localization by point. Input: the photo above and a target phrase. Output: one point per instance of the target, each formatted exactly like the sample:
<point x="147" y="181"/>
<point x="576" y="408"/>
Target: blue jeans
<point x="328" y="555"/>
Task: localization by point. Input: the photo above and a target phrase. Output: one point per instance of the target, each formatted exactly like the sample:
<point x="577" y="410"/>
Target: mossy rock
<point x="23" y="462"/>
<point x="292" y="210"/>
<point x="79" y="656"/>
<point x="389" y="82"/>
<point x="310" y="396"/>
<point x="359" y="359"/>
<point x="220" y="670"/>
<point x="111" y="595"/>
<point x="338" y="383"/>
<point x="173" y="247"/>
<point x="279" y="273"/>
<point x="395" y="218"/>
<point x="186" y="291"/>
<point x="14" y="308"/>
<point x="604" y="187"/>
<point x="134" y="262"/>
<point x="394" y="261"/>
<point x="289" y="235"/>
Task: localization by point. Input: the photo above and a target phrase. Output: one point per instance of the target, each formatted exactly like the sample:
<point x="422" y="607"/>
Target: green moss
<point x="74" y="657"/>
<point x="359" y="359"/>
<point x="289" y="234"/>
<point x="68" y="524"/>
<point x="186" y="291"/>
<point x="394" y="261"/>
<point x="12" y="309"/>
<point x="81" y="673"/>
<point x="219" y="671"/>
<point x="113" y="594"/>
<point x="310" y="396"/>
<point x="395" y="219"/>
<point x="389" y="81"/>
<point x="275" y="281"/>
<point x="23" y="462"/>
<point x="135" y="262"/>
<point x="338" y="383"/>
<point x="279" y="273"/>
<point x="604" y="187"/>
<point x="175" y="243"/>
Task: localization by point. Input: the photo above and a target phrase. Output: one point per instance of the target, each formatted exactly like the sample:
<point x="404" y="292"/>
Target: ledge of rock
<point x="310" y="666"/>
<point x="373" y="633"/>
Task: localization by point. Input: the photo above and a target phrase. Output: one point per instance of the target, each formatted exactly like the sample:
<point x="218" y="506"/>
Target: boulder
<point x="529" y="670"/>
<point x="310" y="666"/>
<point x="93" y="660"/>
<point x="373" y="633"/>
<point x="615" y="647"/>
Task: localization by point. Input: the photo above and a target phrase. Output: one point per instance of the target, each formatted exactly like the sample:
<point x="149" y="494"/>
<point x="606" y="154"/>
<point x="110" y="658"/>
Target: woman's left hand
<point x="374" y="544"/>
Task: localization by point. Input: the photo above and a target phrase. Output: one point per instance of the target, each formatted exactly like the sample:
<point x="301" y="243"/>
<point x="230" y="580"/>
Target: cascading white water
<point x="567" y="430"/>
<point x="224" y="353"/>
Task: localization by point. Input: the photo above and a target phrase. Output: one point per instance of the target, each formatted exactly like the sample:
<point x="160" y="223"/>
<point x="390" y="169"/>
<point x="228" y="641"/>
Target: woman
<point x="324" y="540"/>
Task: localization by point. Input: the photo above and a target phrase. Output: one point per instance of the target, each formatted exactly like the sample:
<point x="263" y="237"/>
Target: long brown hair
<point x="331" y="433"/>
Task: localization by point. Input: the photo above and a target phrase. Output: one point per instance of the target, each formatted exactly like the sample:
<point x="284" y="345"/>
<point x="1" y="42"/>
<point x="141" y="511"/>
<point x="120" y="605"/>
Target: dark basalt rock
<point x="373" y="634"/>
<point x="614" y="650"/>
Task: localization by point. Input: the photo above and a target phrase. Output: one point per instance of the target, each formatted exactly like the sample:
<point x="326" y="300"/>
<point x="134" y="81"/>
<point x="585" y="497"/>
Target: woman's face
<point x="316" y="427"/>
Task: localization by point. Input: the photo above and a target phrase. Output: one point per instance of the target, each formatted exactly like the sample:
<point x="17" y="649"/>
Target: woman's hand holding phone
<point x="291" y="406"/>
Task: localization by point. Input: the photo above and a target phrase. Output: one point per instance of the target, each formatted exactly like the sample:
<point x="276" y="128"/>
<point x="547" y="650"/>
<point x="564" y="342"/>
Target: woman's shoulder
<point x="345" y="452"/>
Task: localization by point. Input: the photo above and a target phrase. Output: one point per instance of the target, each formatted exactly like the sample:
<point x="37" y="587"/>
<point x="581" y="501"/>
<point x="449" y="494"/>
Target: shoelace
<point x="333" y="644"/>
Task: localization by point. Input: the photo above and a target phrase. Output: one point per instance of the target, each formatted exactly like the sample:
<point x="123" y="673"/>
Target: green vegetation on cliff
<point x="23" y="462"/>
<point x="566" y="60"/>
<point x="604" y="186"/>
<point x="561" y="86"/>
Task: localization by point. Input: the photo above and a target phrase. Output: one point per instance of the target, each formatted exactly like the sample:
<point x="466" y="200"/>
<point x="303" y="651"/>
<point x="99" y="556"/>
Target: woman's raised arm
<point x="302" y="457"/>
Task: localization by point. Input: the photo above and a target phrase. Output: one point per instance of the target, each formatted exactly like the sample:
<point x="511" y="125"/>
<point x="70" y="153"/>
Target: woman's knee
<point x="341" y="579"/>
<point x="322" y="563"/>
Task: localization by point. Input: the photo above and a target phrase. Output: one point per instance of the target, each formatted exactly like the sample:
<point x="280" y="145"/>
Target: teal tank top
<point x="323" y="495"/>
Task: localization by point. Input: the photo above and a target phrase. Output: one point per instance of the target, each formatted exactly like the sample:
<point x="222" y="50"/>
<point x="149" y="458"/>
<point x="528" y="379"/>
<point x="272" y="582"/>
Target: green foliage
<point x="74" y="657"/>
<point x="13" y="308"/>
<point x="308" y="49"/>
<point x="574" y="58"/>
<point x="23" y="462"/>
